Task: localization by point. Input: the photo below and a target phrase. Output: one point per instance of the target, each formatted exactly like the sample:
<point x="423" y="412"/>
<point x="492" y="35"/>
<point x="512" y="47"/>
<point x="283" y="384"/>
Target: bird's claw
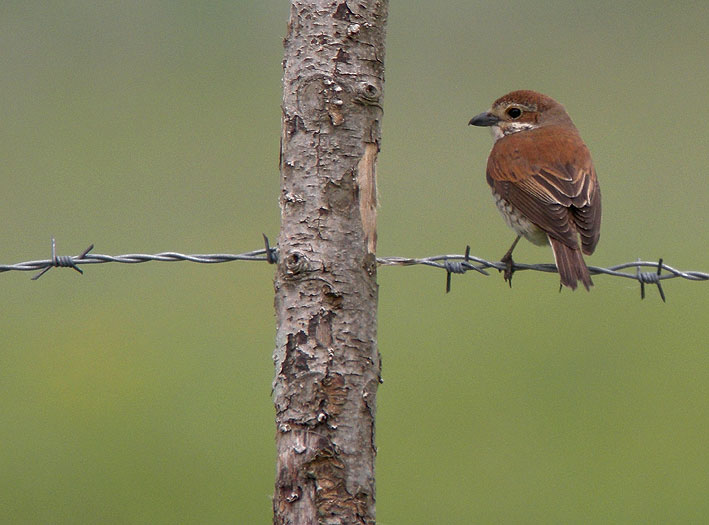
<point x="509" y="268"/>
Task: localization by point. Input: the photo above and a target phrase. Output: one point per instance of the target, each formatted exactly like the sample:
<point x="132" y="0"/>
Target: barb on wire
<point x="458" y="264"/>
<point x="271" y="253"/>
<point x="651" y="278"/>
<point x="63" y="261"/>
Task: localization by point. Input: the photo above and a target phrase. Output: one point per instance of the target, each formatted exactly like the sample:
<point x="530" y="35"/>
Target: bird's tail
<point x="572" y="268"/>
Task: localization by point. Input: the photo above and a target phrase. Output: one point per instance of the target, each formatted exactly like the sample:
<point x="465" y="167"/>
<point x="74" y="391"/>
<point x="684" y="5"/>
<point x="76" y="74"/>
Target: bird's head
<point x="521" y="111"/>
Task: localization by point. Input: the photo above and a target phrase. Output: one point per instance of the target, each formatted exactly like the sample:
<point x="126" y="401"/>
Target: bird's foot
<point x="509" y="268"/>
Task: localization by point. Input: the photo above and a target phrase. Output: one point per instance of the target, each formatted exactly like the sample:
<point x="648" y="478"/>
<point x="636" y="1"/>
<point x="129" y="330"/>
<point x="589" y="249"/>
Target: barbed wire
<point x="451" y="263"/>
<point x="73" y="261"/>
<point x="463" y="263"/>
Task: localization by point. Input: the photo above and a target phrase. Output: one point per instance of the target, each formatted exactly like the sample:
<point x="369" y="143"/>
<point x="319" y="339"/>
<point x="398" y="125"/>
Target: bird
<point x="543" y="180"/>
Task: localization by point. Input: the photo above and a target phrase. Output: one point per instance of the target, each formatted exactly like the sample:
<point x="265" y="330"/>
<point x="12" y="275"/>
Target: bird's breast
<point x="519" y="223"/>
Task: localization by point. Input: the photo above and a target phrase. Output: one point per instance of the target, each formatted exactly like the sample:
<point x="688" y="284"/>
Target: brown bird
<point x="543" y="180"/>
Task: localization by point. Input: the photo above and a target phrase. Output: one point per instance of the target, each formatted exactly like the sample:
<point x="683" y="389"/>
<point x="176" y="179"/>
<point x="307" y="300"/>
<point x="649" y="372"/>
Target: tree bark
<point x="327" y="366"/>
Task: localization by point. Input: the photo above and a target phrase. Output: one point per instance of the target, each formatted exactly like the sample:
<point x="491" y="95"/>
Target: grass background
<point x="141" y="394"/>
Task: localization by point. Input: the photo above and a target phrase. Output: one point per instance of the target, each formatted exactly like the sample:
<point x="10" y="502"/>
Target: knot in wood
<point x="367" y="94"/>
<point x="296" y="263"/>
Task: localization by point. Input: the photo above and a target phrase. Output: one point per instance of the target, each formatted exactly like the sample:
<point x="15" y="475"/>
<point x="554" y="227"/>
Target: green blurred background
<point x="141" y="394"/>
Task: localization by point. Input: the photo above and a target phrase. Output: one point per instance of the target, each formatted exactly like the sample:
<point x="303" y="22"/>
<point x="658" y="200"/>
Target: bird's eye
<point x="514" y="112"/>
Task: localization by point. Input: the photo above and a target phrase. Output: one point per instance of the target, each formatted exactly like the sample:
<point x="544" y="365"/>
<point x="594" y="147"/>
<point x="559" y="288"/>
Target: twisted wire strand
<point x="443" y="262"/>
<point x="267" y="254"/>
<point x="135" y="258"/>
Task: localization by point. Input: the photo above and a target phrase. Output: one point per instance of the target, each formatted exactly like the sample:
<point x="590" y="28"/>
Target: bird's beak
<point x="484" y="119"/>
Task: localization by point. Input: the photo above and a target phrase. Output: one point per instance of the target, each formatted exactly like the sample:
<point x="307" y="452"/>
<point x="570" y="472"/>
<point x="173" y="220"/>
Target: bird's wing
<point x="547" y="174"/>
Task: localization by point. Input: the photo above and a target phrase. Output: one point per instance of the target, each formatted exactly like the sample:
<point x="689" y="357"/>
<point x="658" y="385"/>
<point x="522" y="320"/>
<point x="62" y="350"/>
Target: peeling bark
<point x="327" y="366"/>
